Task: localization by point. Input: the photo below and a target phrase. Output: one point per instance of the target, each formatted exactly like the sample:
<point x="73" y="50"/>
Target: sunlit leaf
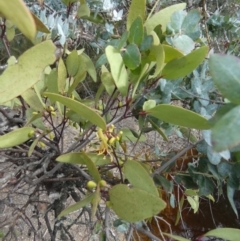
<point x="179" y="116"/>
<point x="230" y="234"/>
<point x="81" y="109"/>
<point x="107" y="80"/>
<point x="77" y="206"/>
<point x="171" y="53"/>
<point x="137" y="9"/>
<point x="62" y="75"/>
<point x="224" y="134"/>
<point x="139" y="177"/>
<point x="27" y="71"/>
<point x="16" y="137"/>
<point x="118" y="69"/>
<point x="17" y="12"/>
<point x="163" y="17"/>
<point x="225" y="70"/>
<point x="83" y="10"/>
<point x="180" y="67"/>
<point x="134" y="205"/>
<point x="159" y="53"/>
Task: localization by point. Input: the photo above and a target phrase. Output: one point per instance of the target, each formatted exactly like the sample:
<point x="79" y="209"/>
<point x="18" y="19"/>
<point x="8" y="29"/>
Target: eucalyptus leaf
<point x="16" y="137"/>
<point x="225" y="71"/>
<point x="131" y="56"/>
<point x="179" y="116"/>
<point x="77" y="206"/>
<point x="224" y="134"/>
<point x="178" y="68"/>
<point x="118" y="69"/>
<point x="136" y="32"/>
<point x="17" y="12"/>
<point x="81" y="109"/>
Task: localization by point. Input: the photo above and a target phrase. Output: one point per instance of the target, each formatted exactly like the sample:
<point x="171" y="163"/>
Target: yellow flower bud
<point x="91" y="184"/>
<point x="103" y="183"/>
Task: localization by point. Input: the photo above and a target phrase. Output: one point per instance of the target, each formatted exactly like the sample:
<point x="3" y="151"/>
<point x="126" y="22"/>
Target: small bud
<point x="34" y="113"/>
<point x="42" y="145"/>
<point x="103" y="183"/>
<point x="91" y="184"/>
<point x="120" y="104"/>
<point x="31" y="133"/>
<point x="112" y="140"/>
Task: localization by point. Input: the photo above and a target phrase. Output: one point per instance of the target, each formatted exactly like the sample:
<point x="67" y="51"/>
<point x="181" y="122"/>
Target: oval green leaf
<point x="139" y="177"/>
<point x="171" y="53"/>
<point x="16" y="137"/>
<point x="136" y="32"/>
<point x="230" y="234"/>
<point x="179" y="116"/>
<point x="131" y="56"/>
<point x="17" y="12"/>
<point x="224" y="134"/>
<point x="81" y="109"/>
<point x="225" y="71"/>
<point x="118" y="69"/>
<point x="27" y="71"/>
<point x="133" y="205"/>
<point x="180" y="67"/>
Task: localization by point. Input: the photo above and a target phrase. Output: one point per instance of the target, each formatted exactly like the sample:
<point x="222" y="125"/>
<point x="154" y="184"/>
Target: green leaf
<point x="158" y="51"/>
<point x="131" y="56"/>
<point x="118" y="69"/>
<point x="52" y="81"/>
<point x="230" y="194"/>
<point x="137" y="9"/>
<point x="32" y="100"/>
<point x="149" y="104"/>
<point x="107" y="80"/>
<point x="62" y="75"/>
<point x="122" y="41"/>
<point x="224" y="134"/>
<point x="77" y="206"/>
<point x="180" y="67"/>
<point x="133" y="205"/>
<point x="99" y="160"/>
<point x="95" y="18"/>
<point x="83" y="11"/>
<point x="136" y="32"/>
<point x="83" y="159"/>
<point x="27" y="71"/>
<point x="230" y="234"/>
<point x="17" y="12"/>
<point x="225" y="71"/>
<point x="175" y="237"/>
<point x="16" y="137"/>
<point x="90" y="67"/>
<point x="156" y="128"/>
<point x="139" y="177"/>
<point x="146" y="43"/>
<point x="72" y="63"/>
<point x="162" y="17"/>
<point x="171" y="53"/>
<point x="81" y="109"/>
<point x="39" y="24"/>
<point x="179" y="116"/>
